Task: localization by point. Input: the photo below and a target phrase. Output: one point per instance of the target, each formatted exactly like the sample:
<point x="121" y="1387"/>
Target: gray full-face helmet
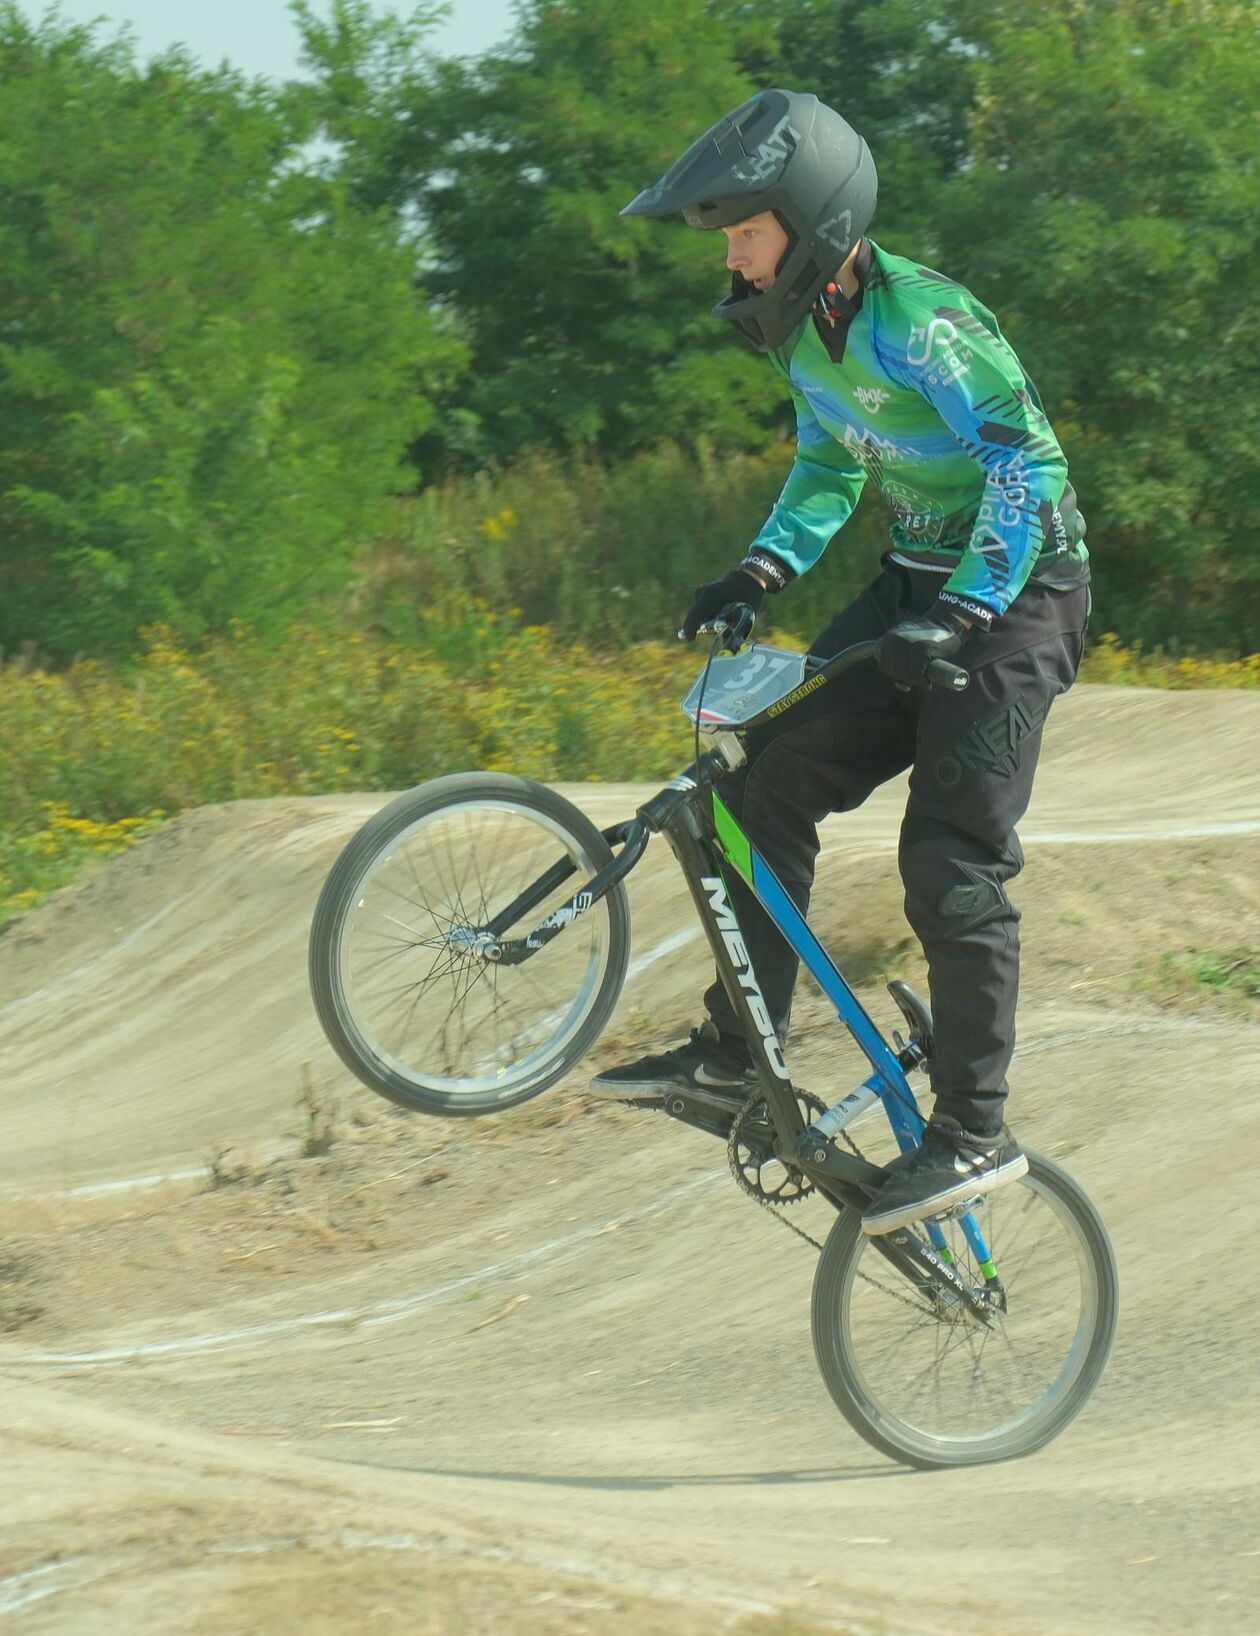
<point x="782" y="151"/>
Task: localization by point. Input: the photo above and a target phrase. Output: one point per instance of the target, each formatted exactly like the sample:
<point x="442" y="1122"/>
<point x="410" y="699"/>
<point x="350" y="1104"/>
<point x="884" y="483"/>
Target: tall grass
<point x="91" y="757"/>
<point x="603" y="552"/>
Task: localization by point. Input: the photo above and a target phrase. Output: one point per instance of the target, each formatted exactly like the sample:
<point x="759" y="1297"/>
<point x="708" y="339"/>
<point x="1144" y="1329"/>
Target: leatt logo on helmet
<point x="770" y="154"/>
<point x="839" y="231"/>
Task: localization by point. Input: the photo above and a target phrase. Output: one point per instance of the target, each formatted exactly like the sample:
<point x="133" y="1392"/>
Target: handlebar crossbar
<point x="939" y="671"/>
<point x="735" y="626"/>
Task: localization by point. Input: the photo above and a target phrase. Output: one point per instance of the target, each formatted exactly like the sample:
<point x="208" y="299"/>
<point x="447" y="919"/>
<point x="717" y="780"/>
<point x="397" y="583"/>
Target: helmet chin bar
<point x="743" y="292"/>
<point x="746" y="305"/>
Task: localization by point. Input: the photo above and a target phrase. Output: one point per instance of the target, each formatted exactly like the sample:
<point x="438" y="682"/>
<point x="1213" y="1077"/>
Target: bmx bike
<point x="456" y="971"/>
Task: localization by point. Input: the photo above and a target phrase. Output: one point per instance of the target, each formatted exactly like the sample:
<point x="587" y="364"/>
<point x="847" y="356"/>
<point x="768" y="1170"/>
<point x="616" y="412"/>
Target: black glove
<point x="708" y="601"/>
<point x="905" y="651"/>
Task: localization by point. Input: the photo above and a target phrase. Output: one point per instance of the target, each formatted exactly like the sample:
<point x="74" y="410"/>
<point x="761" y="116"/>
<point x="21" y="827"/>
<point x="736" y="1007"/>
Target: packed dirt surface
<point x="276" y="1355"/>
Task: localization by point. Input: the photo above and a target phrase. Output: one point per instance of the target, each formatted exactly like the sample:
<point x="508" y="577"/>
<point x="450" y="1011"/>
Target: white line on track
<point x="1154" y="831"/>
<point x="378" y="1312"/>
<point x="667" y="946"/>
<point x="399" y="1308"/>
<point x="129" y="1183"/>
<point x="18" y="1591"/>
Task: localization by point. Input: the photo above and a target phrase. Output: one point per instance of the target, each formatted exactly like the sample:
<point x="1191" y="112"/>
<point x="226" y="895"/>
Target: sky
<point x="259" y="36"/>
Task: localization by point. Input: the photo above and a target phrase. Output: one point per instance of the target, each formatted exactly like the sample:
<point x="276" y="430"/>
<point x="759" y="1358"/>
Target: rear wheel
<point x="926" y="1382"/>
<point x="405" y="998"/>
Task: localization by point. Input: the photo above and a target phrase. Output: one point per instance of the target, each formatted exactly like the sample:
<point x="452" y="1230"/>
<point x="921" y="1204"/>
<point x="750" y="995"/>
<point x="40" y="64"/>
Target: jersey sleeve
<point x="821" y="491"/>
<point x="972" y="378"/>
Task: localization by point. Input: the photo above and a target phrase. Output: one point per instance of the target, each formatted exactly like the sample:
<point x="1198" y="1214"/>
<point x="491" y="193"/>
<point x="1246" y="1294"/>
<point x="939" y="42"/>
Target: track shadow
<point x="646" y="1484"/>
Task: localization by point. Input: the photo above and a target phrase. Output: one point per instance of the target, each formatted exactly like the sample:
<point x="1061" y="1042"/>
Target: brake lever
<point x="734" y="625"/>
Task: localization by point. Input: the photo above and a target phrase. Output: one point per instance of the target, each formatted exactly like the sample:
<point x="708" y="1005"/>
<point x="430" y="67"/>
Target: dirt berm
<point x="277" y="1356"/>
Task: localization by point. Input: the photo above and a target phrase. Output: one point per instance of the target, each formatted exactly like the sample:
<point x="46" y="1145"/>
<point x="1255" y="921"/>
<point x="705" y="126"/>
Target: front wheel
<point x="923" y="1380"/>
<point x="404" y="995"/>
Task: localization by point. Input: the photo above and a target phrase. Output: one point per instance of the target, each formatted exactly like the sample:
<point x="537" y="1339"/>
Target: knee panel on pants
<point x="949" y="894"/>
<point x="972" y="902"/>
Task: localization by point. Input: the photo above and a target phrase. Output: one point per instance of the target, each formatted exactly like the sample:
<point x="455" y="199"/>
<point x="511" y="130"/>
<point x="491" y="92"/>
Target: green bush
<point x="93" y="756"/>
<point x="212" y="362"/>
<point x="608" y="552"/>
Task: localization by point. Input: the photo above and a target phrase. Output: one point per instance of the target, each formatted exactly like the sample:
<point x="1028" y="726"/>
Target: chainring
<point x="750" y="1150"/>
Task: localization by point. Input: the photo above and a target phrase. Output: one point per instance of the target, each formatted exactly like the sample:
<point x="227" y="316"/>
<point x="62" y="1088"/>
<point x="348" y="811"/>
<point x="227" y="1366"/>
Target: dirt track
<point x="552" y="1373"/>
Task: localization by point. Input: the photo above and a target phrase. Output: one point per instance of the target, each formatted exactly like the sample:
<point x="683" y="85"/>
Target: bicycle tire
<point x="832" y="1328"/>
<point x="416" y="1087"/>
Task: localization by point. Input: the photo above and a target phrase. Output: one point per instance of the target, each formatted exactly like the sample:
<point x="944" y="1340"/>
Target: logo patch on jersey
<point x="870" y="450"/>
<point x="871" y="397"/>
<point x="940" y="350"/>
<point x="921" y="517"/>
<point x="1006" y="501"/>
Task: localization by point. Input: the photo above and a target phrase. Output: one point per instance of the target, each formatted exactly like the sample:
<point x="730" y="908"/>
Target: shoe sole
<point x="977" y="1187"/>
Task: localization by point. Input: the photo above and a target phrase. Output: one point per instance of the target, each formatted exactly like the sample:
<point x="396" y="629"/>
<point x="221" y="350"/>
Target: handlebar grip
<point x="942" y="674"/>
<point x="734" y="624"/>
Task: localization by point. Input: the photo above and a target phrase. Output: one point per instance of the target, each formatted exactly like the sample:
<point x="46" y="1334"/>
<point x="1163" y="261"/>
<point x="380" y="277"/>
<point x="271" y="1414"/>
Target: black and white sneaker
<point x="708" y="1062"/>
<point x="951" y="1166"/>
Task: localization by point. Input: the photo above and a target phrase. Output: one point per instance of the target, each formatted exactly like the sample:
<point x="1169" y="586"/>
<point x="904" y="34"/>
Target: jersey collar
<point x="833" y="313"/>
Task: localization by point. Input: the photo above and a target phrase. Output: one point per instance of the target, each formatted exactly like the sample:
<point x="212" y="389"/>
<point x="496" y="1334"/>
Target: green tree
<point x="1110" y="213"/>
<point x="903" y="72"/>
<point x="212" y="362"/>
<point x="585" y="329"/>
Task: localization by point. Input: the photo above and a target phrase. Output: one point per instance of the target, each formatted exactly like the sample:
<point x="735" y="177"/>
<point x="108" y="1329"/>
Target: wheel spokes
<point x="421" y="995"/>
<point x="947" y="1376"/>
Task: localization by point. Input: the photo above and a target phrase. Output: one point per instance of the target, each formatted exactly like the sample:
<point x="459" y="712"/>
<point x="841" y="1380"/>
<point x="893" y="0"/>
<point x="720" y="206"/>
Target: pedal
<point x="703" y="1111"/>
<point x="958" y="1211"/>
<point x="918" y="1015"/>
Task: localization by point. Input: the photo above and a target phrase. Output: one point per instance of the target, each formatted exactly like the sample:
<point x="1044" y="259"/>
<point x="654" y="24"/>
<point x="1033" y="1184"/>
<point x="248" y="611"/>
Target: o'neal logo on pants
<point x="991" y="746"/>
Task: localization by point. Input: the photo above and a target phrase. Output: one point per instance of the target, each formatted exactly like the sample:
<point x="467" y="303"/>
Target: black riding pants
<point x="973" y="755"/>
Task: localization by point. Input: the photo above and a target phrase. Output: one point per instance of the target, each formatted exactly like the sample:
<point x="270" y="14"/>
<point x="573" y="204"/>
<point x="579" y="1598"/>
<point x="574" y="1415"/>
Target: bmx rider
<point x="901" y="378"/>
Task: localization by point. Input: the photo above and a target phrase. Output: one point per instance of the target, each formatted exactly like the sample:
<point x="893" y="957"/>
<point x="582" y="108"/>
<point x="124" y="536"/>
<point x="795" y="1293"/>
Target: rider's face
<point x="755" y="247"/>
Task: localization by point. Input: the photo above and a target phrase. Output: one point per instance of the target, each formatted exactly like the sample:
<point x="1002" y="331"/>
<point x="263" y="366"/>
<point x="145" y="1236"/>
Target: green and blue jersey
<point x="922" y="396"/>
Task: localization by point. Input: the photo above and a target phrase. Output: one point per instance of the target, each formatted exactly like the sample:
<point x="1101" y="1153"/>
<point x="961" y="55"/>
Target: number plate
<point x="742" y="685"/>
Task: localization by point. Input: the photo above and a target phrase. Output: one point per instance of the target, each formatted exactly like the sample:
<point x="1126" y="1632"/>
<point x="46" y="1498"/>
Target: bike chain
<point x="813" y="1103"/>
<point x="816" y="1107"/>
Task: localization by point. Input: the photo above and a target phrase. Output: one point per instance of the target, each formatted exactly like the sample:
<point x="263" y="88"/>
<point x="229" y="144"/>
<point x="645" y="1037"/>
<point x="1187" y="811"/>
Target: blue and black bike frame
<point x="709" y="844"/>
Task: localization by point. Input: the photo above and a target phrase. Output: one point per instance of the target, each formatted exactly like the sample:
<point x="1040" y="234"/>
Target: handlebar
<point x="942" y="674"/>
<point x="734" y="626"/>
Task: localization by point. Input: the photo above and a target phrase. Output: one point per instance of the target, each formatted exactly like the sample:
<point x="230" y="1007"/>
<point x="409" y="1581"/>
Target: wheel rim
<point x="941" y="1383"/>
<point x="409" y="985"/>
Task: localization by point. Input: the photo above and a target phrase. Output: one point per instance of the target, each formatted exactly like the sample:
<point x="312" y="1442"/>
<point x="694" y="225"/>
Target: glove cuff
<point x="952" y="609"/>
<point x="776" y="574"/>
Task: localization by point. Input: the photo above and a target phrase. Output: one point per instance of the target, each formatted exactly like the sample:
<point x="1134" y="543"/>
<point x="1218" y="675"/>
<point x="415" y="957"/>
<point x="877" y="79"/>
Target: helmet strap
<point x="835" y="306"/>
